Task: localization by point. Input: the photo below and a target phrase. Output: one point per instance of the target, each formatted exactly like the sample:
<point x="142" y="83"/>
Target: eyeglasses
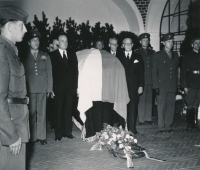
<point x="128" y="44"/>
<point x="114" y="45"/>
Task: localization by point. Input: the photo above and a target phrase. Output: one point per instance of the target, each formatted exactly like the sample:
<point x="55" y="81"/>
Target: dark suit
<point x="134" y="69"/>
<point x="165" y="77"/>
<point x="145" y="104"/>
<point x="65" y="82"/>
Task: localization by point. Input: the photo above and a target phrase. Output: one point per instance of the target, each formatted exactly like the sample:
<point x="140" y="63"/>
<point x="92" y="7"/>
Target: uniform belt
<point x="195" y="72"/>
<point x="15" y="100"/>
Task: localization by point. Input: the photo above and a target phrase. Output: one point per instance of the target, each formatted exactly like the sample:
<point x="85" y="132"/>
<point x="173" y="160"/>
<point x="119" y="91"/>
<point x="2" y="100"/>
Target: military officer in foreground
<point x="14" y="130"/>
<point x="190" y="81"/>
<point x="38" y="72"/>
<point x="165" y="80"/>
<point x="145" y="102"/>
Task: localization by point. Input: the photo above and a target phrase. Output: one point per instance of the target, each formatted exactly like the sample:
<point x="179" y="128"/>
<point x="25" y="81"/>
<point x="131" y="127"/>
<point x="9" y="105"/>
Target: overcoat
<point x="165" y="71"/>
<point x="147" y="58"/>
<point x="13" y="117"/>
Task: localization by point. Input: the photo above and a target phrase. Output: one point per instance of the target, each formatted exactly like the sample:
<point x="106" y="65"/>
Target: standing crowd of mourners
<point x="48" y="83"/>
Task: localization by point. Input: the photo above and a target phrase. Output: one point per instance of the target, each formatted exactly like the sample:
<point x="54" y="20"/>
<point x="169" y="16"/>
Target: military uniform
<point x="14" y="121"/>
<point x="39" y="82"/>
<point x="145" y="102"/>
<point x="165" y="78"/>
<point x="190" y="78"/>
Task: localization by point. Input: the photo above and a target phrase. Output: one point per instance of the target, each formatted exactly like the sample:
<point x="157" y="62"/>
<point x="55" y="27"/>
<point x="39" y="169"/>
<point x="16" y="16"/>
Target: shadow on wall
<point x="193" y="24"/>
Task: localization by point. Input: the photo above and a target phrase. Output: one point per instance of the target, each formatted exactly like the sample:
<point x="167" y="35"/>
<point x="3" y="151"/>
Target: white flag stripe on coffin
<point x="90" y="80"/>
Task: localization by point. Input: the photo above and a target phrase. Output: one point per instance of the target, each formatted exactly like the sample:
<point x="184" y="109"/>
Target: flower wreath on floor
<point x="121" y="144"/>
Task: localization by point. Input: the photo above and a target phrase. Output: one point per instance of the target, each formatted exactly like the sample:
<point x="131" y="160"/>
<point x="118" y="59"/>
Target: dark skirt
<point x="193" y="98"/>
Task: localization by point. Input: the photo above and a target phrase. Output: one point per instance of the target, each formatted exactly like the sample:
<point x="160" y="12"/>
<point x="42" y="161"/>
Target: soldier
<point x="165" y="79"/>
<point x="14" y="130"/>
<point x="38" y="72"/>
<point x="190" y="81"/>
<point x="145" y="103"/>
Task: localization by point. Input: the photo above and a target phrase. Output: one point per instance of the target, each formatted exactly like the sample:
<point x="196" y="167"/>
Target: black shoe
<point x="70" y="136"/>
<point x="58" y="139"/>
<point x="141" y="124"/>
<point x="162" y="131"/>
<point x="42" y="142"/>
<point x="150" y="122"/>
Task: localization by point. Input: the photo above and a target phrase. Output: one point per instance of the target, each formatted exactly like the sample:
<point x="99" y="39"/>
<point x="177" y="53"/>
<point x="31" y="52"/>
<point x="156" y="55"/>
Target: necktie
<point x="35" y="55"/>
<point x="169" y="54"/>
<point x="114" y="54"/>
<point x="128" y="56"/>
<point x="64" y="56"/>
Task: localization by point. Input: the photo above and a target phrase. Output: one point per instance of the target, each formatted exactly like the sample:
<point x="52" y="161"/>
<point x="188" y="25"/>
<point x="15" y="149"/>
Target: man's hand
<point x="15" y="147"/>
<point x="52" y="95"/>
<point x="186" y="90"/>
<point x="48" y="94"/>
<point x="157" y="92"/>
<point x="140" y="90"/>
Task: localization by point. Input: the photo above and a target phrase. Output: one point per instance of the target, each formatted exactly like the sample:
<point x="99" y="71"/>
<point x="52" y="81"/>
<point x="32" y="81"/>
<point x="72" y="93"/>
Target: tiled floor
<point x="178" y="149"/>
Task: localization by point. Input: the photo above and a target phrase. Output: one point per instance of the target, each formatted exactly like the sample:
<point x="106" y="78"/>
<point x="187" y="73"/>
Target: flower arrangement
<point x="120" y="143"/>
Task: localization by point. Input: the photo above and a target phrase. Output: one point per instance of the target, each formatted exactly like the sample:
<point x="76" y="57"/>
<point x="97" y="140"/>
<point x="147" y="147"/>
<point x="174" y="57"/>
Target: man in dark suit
<point x="134" y="68"/>
<point x="14" y="130"/>
<point x="165" y="79"/>
<point x="65" y="82"/>
<point x="38" y="71"/>
<point x="145" y="103"/>
<point x="190" y="81"/>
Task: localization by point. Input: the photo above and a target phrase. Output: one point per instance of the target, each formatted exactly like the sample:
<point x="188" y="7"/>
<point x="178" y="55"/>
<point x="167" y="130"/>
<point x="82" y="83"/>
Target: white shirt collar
<point x="61" y="52"/>
<point x="113" y="52"/>
<point x="130" y="53"/>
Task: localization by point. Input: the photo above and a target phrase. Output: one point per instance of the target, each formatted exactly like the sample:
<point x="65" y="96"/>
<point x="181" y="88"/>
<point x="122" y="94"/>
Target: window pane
<point x="164" y="26"/>
<point x="184" y="5"/>
<point x="183" y="20"/>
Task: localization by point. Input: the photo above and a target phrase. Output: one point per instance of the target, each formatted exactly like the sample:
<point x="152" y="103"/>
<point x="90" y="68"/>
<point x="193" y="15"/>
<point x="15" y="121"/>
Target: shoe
<point x="58" y="139"/>
<point x="150" y="122"/>
<point x="70" y="136"/>
<point x="42" y="142"/>
<point x="141" y="124"/>
<point x="162" y="131"/>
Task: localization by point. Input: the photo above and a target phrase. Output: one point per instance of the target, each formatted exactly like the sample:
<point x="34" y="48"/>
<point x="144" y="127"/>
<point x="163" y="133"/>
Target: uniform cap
<point x="13" y="12"/>
<point x="144" y="35"/>
<point x="168" y="36"/>
<point x="34" y="34"/>
<point x="194" y="39"/>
